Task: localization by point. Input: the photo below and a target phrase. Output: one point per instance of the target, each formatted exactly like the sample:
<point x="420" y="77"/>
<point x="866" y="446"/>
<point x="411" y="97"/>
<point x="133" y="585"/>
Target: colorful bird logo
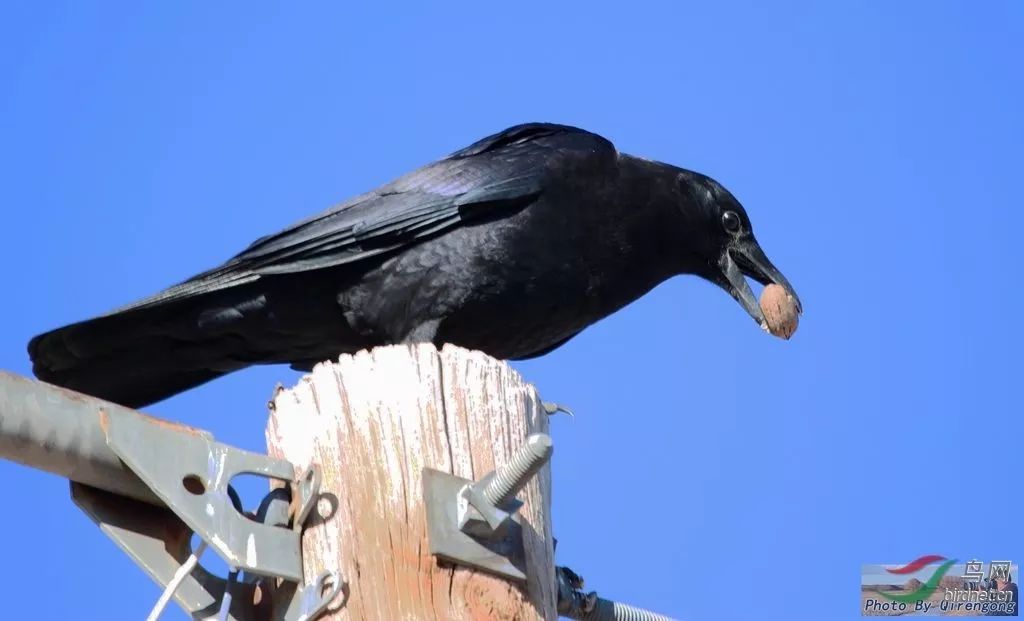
<point x="928" y="587"/>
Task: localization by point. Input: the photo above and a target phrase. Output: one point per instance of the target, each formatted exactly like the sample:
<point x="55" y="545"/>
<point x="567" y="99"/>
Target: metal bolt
<point x="512" y="477"/>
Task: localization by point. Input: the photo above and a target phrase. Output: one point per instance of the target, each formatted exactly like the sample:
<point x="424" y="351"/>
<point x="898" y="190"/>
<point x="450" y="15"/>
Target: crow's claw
<point x="551" y="408"/>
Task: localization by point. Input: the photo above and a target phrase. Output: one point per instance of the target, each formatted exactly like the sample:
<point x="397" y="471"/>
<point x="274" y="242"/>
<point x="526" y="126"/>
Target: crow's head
<point x="720" y="244"/>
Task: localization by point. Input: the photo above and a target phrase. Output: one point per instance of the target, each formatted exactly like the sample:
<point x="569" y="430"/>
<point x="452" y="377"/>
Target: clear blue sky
<point x="876" y="146"/>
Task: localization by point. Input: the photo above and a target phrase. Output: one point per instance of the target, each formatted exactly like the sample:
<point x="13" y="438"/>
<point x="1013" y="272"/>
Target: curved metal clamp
<point x="313" y="600"/>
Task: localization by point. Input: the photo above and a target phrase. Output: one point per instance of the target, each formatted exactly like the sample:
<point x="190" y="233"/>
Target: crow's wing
<point x="505" y="171"/>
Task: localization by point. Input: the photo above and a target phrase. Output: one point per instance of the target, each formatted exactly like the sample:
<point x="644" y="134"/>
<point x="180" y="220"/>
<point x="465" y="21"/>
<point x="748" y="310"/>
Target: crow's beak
<point x="744" y="257"/>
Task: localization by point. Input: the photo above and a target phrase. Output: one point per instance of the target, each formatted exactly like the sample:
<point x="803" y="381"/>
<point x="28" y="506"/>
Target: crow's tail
<point x="135" y="357"/>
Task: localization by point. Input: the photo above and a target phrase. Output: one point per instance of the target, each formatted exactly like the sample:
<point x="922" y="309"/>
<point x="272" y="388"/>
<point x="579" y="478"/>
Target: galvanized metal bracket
<point x="160" y="543"/>
<point x="151" y="484"/>
<point x="310" y="601"/>
<point x="190" y="472"/>
<point x="308" y="488"/>
<point x="476" y="523"/>
<point x="502" y="554"/>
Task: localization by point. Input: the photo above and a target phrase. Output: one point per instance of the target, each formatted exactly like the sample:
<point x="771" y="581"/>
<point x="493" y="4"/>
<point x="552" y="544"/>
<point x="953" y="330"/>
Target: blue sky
<point x="876" y="147"/>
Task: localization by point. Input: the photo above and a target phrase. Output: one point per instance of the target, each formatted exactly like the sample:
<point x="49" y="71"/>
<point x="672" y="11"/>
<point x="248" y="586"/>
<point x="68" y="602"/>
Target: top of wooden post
<point x="373" y="421"/>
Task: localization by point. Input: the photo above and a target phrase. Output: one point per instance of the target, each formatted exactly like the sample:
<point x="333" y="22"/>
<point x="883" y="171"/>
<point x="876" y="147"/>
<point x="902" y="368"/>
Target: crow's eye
<point x="731" y="221"/>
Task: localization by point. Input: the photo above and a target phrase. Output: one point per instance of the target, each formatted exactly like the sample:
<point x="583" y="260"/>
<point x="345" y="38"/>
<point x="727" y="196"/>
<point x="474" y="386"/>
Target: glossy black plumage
<point x="512" y="246"/>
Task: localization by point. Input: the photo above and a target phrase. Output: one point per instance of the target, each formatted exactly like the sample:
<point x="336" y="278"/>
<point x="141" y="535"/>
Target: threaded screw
<point x="607" y="610"/>
<point x="512" y="477"/>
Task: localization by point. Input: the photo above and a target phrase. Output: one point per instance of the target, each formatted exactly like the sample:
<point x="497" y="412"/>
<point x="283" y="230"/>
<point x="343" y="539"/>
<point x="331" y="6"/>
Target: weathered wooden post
<point x="373" y="421"/>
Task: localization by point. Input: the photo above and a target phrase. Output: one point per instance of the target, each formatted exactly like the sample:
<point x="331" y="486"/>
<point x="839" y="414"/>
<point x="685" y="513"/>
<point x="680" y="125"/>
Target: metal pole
<point x="60" y="431"/>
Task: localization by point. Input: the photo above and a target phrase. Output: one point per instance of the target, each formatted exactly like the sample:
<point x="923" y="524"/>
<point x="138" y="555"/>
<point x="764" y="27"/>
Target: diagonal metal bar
<point x="119" y="450"/>
<point x="150" y="484"/>
<point x="60" y="431"/>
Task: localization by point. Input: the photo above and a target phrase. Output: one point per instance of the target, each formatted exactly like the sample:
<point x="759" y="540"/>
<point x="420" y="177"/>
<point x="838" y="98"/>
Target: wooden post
<point x="372" y="421"/>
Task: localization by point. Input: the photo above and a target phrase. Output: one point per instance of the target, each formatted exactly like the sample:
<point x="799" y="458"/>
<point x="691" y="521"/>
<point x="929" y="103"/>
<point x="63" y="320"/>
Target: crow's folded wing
<point x="506" y="171"/>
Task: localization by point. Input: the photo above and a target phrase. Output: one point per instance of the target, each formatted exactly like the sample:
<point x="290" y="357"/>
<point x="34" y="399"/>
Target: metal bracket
<point x="502" y="555"/>
<point x="149" y="484"/>
<point x="311" y="601"/>
<point x="308" y="488"/>
<point x="476" y="523"/>
<point x="160" y="543"/>
<point x="190" y="471"/>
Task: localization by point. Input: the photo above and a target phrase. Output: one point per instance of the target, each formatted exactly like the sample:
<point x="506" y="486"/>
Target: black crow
<point x="512" y="246"/>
